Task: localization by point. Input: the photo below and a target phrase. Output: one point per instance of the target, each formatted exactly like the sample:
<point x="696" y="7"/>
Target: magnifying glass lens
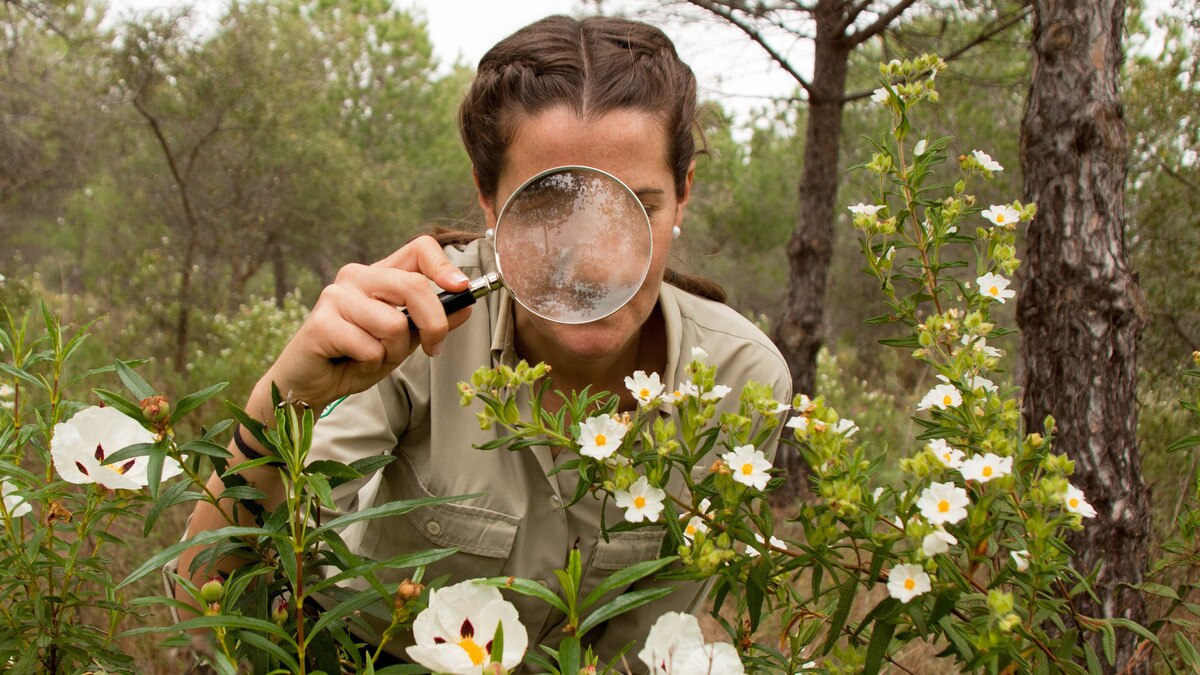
<point x="573" y="244"/>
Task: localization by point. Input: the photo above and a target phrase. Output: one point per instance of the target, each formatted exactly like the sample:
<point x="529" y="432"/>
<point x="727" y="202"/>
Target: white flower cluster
<point x="81" y="444"/>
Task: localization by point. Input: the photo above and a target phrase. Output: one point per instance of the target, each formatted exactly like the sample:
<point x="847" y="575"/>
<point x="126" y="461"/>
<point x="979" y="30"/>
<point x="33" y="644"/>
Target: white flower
<point x="995" y="287"/>
<point x="985" y="160"/>
<point x="717" y="658"/>
<point x="778" y="408"/>
<point x="454" y="634"/>
<point x="880" y="95"/>
<point x="937" y="542"/>
<point x="1002" y="214"/>
<point x="805" y="404"/>
<point x="749" y="466"/>
<point x="943" y="503"/>
<point x="1020" y="559"/>
<point x="16" y="505"/>
<point x="675" y="645"/>
<point x="942" y="396"/>
<point x="684" y="390"/>
<point x="1075" y="502"/>
<point x="776" y="542"/>
<point x="645" y="388"/>
<point x="697" y="523"/>
<point x="906" y="582"/>
<point x="698" y="354"/>
<point x="798" y="422"/>
<point x="81" y="444"/>
<point x="950" y="457"/>
<point x="984" y="468"/>
<point x="846" y="427"/>
<point x="641" y="502"/>
<point x="861" y="209"/>
<point x="981" y="382"/>
<point x="719" y="391"/>
<point x="600" y="436"/>
<point x="980" y="345"/>
<point x="920" y="148"/>
<point x="876" y="494"/>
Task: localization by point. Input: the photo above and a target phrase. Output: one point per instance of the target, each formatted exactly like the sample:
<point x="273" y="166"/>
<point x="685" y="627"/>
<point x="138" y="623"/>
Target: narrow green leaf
<point x="332" y="469"/>
<point x="386" y="510"/>
<point x="881" y="638"/>
<point x="846" y="593"/>
<point x="568" y="655"/>
<point x="619" y="606"/>
<point x="133" y="382"/>
<point x="271" y="648"/>
<point x="120" y="403"/>
<point x="192" y="401"/>
<point x="22" y="375"/>
<point x="207" y="537"/>
<point x="531" y="588"/>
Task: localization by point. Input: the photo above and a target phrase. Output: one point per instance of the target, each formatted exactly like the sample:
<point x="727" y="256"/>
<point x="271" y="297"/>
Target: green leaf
<point x="395" y="508"/>
<point x="120" y="403"/>
<point x="619" y="606"/>
<point x="22" y="375"/>
<point x="1108" y="640"/>
<point x="756" y="589"/>
<point x="320" y="486"/>
<point x="530" y="588"/>
<point x="1184" y="443"/>
<point x="192" y="401"/>
<point x="498" y="643"/>
<point x="624" y="578"/>
<point x="207" y="537"/>
<point x="176" y="494"/>
<point x="846" y="593"/>
<point x="133" y="382"/>
<point x="568" y="655"/>
<point x="243" y="493"/>
<point x="332" y="469"/>
<point x="881" y="638"/>
<point x="218" y="621"/>
<point x="1136" y="628"/>
<point x="908" y="342"/>
<point x="271" y="648"/>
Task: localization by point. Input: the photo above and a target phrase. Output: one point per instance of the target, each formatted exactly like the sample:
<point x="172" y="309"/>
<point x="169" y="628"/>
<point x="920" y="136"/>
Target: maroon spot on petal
<point x="99" y="452"/>
<point x="81" y="468"/>
<point x="126" y="467"/>
<point x="467" y="629"/>
<point x="488" y="647"/>
<point x="439" y="641"/>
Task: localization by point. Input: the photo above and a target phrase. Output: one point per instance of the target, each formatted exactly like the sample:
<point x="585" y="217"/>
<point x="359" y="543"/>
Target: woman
<point x="601" y="92"/>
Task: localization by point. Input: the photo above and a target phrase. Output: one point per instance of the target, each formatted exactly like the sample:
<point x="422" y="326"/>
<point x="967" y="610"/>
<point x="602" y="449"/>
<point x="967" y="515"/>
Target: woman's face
<point x="630" y="145"/>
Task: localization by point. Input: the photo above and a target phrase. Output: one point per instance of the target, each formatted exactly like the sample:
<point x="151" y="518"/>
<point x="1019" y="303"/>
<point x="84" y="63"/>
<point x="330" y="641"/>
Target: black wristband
<point x="243" y="446"/>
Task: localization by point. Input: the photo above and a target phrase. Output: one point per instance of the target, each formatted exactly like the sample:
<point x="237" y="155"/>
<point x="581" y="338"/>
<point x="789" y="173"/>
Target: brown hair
<point x="593" y="65"/>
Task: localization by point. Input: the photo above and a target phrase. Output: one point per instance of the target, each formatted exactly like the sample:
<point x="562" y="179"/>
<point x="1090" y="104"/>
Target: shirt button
<point x="555" y="502"/>
<point x="433" y="527"/>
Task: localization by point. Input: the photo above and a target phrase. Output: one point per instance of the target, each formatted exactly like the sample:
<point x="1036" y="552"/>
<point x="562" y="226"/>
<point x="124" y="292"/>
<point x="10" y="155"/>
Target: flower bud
<point x="1009" y="623"/>
<point x="1000" y="602"/>
<point x="156" y="408"/>
<point x="1196" y="357"/>
<point x="280" y="614"/>
<point x="409" y="590"/>
<point x="213" y="590"/>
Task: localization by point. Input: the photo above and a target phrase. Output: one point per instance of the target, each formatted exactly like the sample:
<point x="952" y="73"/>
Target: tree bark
<point x="800" y="332"/>
<point x="1080" y="309"/>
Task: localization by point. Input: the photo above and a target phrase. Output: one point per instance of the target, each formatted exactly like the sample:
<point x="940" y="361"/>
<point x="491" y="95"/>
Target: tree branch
<point x="727" y="14"/>
<point x="880" y="23"/>
<point x="852" y="14"/>
<point x="1000" y="26"/>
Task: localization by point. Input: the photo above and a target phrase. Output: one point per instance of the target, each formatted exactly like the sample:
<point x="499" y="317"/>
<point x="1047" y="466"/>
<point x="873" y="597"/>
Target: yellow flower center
<point x="993" y="291"/>
<point x="474" y="651"/>
<point x="639" y="502"/>
<point x="600" y="439"/>
<point x="987" y="471"/>
<point x="645" y="393"/>
<point x="999" y="217"/>
<point x="947" y="400"/>
<point x="1073" y="502"/>
<point x="946" y="457"/>
<point x="747" y="468"/>
<point x="909" y="584"/>
<point x="943" y="506"/>
<point x="691" y="530"/>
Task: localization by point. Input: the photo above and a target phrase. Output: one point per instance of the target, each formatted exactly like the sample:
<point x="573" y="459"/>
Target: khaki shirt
<point x="518" y="527"/>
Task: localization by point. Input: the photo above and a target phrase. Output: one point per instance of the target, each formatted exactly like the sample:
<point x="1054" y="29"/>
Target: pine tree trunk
<point x="1080" y="309"/>
<point x="810" y="248"/>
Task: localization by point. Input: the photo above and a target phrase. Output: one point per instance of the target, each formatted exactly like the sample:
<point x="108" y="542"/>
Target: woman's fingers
<point x="424" y="255"/>
<point x="397" y="288"/>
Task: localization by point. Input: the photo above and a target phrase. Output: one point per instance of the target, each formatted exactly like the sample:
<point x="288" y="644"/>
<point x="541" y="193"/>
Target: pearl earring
<point x="675" y="232"/>
<point x="490" y="233"/>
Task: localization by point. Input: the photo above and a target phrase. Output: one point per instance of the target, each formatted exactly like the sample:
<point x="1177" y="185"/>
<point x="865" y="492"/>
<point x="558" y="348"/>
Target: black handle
<point x="452" y="301"/>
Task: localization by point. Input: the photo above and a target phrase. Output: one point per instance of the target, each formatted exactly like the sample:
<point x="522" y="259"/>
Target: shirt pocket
<point x="484" y="537"/>
<point x="622" y="550"/>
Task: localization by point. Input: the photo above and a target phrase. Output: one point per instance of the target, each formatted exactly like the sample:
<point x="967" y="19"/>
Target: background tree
<point x="1080" y="309"/>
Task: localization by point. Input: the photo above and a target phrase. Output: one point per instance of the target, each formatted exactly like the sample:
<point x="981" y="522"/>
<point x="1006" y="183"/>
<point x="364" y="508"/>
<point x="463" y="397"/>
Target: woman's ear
<point x="687" y="194"/>
<point x="485" y="203"/>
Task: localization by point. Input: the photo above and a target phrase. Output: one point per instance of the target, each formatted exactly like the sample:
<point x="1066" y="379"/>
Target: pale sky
<point x="729" y="68"/>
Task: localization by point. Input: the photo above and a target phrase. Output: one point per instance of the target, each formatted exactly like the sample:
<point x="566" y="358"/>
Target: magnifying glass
<point x="572" y="245"/>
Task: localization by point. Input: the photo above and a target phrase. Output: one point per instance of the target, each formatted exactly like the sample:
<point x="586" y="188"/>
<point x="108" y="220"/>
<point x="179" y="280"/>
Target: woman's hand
<point x="356" y="334"/>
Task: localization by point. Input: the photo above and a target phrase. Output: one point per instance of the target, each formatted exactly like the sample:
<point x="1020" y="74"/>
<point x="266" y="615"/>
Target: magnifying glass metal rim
<point x="495" y="236"/>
